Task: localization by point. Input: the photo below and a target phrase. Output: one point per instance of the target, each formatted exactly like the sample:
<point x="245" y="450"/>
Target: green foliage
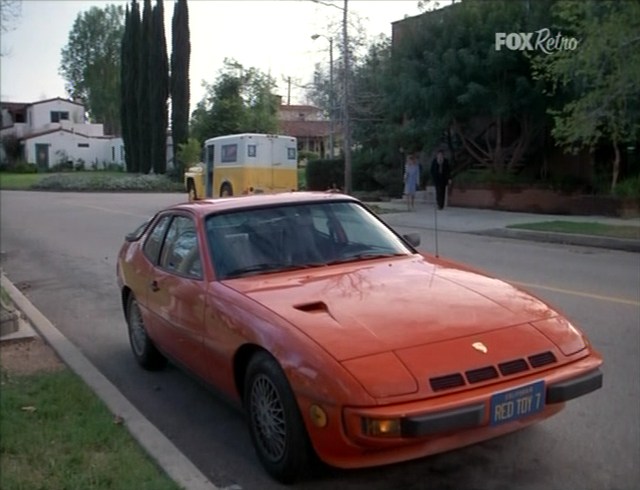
<point x="107" y="182"/>
<point x="322" y="175"/>
<point x="628" y="188"/>
<point x="158" y="91"/>
<point x="189" y="153"/>
<point x="90" y="63"/>
<point x="239" y="101"/>
<point x="20" y="167"/>
<point x="179" y="83"/>
<point x="145" y="131"/>
<point x="595" y="86"/>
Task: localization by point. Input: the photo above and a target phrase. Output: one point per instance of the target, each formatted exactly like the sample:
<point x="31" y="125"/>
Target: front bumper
<point x="474" y="415"/>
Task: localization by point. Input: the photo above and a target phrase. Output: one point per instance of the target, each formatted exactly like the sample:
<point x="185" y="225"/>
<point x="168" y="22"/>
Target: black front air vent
<point x="542" y="359"/>
<point x="513" y="367"/>
<point x="482" y="374"/>
<point x="446" y="382"/>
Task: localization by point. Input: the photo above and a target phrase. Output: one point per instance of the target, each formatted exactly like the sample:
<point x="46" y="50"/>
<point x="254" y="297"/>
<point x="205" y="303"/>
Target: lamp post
<point x="331" y="102"/>
<point x="346" y="130"/>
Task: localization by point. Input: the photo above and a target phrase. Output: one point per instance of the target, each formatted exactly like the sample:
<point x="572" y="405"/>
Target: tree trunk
<point x="616" y="164"/>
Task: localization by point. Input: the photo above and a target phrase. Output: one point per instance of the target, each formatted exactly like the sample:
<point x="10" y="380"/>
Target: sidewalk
<point x="494" y="223"/>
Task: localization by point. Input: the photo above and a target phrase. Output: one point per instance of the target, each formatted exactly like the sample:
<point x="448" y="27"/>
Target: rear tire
<point x="277" y="429"/>
<point x="142" y="347"/>
<point x="226" y="190"/>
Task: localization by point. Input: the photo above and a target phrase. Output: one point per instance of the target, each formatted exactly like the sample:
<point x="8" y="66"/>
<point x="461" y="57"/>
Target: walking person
<point x="441" y="175"/>
<point x="411" y="180"/>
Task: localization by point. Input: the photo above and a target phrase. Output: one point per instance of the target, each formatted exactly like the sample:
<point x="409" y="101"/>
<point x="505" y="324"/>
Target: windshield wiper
<point x="268" y="268"/>
<point x="365" y="256"/>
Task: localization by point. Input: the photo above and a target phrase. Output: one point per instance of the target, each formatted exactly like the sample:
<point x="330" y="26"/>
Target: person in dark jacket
<point x="441" y="175"/>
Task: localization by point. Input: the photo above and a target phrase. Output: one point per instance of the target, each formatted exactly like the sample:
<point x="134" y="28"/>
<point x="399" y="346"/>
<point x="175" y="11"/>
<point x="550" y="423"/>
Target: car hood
<point x="359" y="309"/>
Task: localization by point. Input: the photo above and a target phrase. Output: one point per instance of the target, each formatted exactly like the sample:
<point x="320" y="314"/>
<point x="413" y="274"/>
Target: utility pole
<point x="346" y="128"/>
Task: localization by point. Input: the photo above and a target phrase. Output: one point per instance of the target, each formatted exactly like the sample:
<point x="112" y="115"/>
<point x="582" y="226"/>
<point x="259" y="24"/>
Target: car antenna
<point x="435" y="215"/>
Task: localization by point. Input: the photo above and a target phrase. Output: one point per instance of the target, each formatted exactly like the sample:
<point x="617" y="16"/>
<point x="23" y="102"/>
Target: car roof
<point x="207" y="206"/>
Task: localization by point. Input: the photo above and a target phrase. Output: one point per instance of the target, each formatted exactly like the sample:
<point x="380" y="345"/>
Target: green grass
<point x="584" y="228"/>
<point x="19" y="182"/>
<point x="56" y="434"/>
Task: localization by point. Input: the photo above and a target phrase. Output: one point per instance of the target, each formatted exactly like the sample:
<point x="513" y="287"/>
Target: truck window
<point x="229" y="153"/>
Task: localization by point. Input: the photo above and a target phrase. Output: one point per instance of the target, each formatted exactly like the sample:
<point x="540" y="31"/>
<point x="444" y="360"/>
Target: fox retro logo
<point x="540" y="40"/>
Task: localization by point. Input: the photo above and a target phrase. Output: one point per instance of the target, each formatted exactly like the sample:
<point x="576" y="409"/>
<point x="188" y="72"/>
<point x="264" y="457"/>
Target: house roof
<point x="305" y="129"/>
<point x="55" y="130"/>
<point x="298" y="108"/>
<point x="24" y="105"/>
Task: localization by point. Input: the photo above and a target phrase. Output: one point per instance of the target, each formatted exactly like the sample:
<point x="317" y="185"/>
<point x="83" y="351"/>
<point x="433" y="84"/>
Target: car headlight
<point x="562" y="333"/>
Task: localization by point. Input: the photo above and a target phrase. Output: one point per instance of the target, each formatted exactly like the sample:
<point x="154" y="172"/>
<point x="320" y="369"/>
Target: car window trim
<point x="172" y="215"/>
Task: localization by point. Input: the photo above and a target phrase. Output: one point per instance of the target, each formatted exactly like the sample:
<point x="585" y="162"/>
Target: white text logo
<point x="539" y="41"/>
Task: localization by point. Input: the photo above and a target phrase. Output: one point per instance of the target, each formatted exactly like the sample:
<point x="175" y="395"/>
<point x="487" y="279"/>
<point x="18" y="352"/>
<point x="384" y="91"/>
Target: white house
<point x="56" y="131"/>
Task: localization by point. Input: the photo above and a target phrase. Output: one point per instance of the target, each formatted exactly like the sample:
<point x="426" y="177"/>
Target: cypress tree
<point x="159" y="91"/>
<point x="125" y="53"/>
<point x="133" y="110"/>
<point x="143" y="92"/>
<point x="180" y="54"/>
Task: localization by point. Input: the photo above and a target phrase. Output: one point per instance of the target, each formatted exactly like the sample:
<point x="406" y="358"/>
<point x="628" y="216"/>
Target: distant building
<point x="309" y="125"/>
<point x="56" y="131"/>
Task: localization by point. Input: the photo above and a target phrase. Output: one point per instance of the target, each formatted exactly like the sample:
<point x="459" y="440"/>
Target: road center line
<point x="611" y="299"/>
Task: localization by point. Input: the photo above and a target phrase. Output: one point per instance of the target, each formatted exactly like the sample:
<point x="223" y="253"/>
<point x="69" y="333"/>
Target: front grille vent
<point x="482" y="374"/>
<point x="542" y="359"/>
<point x="446" y="382"/>
<point x="513" y="367"/>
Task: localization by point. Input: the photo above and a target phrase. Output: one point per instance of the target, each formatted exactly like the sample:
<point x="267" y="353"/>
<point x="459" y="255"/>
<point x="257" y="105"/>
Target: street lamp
<point x="331" y="103"/>
<point x="345" y="98"/>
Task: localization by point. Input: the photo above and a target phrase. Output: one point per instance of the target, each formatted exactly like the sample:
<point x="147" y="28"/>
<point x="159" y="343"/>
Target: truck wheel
<point x="226" y="190"/>
<point x="191" y="190"/>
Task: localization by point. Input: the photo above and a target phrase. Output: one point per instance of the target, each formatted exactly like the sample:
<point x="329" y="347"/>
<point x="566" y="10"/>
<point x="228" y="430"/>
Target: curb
<point x="626" y="245"/>
<point x="166" y="455"/>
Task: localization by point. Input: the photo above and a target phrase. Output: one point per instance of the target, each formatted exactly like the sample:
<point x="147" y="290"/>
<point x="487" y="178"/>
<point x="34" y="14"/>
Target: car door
<point x="177" y="295"/>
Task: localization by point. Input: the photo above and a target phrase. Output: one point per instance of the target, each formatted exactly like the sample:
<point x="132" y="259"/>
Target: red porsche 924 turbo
<point x="337" y="336"/>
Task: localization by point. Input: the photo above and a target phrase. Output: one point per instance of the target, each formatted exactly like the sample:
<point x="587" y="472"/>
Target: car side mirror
<point x="412" y="238"/>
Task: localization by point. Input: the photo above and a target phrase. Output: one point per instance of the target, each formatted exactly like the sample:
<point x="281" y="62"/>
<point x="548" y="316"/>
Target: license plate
<point x="517" y="403"/>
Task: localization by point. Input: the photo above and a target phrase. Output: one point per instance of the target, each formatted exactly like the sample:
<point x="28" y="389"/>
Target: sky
<point x="271" y="35"/>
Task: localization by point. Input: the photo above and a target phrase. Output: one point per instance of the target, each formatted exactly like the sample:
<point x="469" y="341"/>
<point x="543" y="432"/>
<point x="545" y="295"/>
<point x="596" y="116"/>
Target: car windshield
<point x="287" y="237"/>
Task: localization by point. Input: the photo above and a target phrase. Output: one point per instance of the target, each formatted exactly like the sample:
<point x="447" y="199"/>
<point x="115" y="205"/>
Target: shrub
<point x="101" y="182"/>
<point x="628" y="188"/>
<point x="324" y="174"/>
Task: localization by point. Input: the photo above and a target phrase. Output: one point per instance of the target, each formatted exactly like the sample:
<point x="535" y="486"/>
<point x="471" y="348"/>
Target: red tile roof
<point x="301" y="129"/>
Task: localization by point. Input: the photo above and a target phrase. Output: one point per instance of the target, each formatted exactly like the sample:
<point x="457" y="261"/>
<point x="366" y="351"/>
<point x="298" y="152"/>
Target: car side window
<point x="154" y="240"/>
<point x="180" y="253"/>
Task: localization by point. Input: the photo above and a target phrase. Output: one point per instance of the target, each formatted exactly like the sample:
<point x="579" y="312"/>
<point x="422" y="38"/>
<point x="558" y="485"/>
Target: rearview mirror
<point x="412" y="238"/>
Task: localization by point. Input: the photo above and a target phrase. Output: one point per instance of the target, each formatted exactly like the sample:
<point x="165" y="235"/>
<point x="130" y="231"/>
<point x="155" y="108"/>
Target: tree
<point x="10" y="11"/>
<point x="180" y="95"/>
<point x="450" y="82"/>
<point x="143" y="92"/>
<point x="158" y="91"/>
<point x="240" y="100"/>
<point x="129" y="88"/>
<point x="90" y="63"/>
<point x="599" y="78"/>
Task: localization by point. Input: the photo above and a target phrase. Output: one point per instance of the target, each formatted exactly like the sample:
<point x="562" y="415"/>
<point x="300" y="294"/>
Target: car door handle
<point x="154" y="286"/>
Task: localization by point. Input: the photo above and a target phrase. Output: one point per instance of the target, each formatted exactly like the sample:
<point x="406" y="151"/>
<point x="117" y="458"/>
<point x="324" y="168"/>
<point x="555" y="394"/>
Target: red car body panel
<point x="360" y="339"/>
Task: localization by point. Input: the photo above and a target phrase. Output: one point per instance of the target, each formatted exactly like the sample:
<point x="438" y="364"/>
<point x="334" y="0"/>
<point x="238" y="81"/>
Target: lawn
<point x="10" y="181"/>
<point x="57" y="434"/>
<point x="583" y="228"/>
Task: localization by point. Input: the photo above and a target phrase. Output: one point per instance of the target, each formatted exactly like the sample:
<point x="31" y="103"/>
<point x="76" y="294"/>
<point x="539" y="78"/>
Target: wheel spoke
<point x="268" y="418"/>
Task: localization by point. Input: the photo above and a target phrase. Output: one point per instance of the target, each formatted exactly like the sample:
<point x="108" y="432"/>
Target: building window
<point x="251" y="150"/>
<point x="291" y="153"/>
<point x="83" y="145"/>
<point x="122" y="153"/>
<point x="57" y="116"/>
<point x="113" y="153"/>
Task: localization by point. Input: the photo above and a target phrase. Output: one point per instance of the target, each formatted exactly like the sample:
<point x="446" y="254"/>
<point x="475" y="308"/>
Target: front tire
<point x="275" y="423"/>
<point x="142" y="347"/>
<point x="226" y="190"/>
<point x="191" y="190"/>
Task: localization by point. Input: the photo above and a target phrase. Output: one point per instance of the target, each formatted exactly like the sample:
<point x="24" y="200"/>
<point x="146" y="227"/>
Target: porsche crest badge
<point x="479" y="346"/>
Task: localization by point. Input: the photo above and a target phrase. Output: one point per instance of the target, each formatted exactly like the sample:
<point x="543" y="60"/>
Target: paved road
<point x="61" y="249"/>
